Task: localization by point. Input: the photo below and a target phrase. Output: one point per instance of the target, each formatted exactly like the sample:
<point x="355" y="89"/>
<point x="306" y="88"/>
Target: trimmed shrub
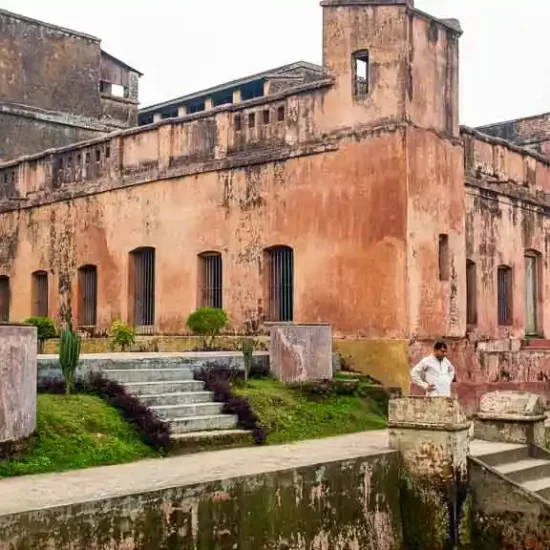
<point x="153" y="431"/>
<point x="45" y="329"/>
<point x="218" y="380"/>
<point x="122" y="335"/>
<point x="207" y="323"/>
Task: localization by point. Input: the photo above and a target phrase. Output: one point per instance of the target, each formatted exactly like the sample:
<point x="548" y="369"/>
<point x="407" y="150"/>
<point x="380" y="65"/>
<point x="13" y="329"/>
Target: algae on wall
<point x="336" y="506"/>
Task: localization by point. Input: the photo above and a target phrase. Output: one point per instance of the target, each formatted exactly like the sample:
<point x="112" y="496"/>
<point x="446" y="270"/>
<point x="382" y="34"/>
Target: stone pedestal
<point x="511" y="417"/>
<point x="299" y="353"/>
<point x="17" y="386"/>
<point x="432" y="437"/>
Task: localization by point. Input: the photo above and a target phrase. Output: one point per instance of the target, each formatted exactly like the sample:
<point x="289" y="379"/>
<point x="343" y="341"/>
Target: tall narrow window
<point x="280" y="261"/>
<point x="361" y="73"/>
<point x="4" y="299"/>
<point x="504" y="284"/>
<point x="210" y="280"/>
<point x="444" y="260"/>
<point x="471" y="293"/>
<point x="87" y="296"/>
<point x="532" y="287"/>
<point x="143" y="285"/>
<point x="40" y="294"/>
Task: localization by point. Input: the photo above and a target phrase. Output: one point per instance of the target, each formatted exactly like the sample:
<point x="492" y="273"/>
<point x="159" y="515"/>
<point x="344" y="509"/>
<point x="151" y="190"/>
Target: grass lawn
<point x="74" y="432"/>
<point x="288" y="414"/>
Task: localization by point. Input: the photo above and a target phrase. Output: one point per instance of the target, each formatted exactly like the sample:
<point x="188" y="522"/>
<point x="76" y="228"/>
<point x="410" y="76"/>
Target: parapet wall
<point x="331" y="506"/>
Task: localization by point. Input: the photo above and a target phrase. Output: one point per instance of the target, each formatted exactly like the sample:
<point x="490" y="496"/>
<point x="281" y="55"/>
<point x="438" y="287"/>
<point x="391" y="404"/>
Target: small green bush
<point x="45" y="329"/>
<point x="207" y="322"/>
<point x="122" y="335"/>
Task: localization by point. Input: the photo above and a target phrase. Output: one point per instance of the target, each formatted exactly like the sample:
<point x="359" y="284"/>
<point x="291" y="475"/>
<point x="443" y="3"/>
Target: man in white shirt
<point x="435" y="373"/>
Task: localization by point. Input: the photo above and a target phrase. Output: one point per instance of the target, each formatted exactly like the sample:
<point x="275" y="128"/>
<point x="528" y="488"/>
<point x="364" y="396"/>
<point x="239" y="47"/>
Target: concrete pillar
<point x="511" y="417"/>
<point x="157" y="117"/>
<point x="182" y="110"/>
<point x="432" y="437"/>
<point x="237" y="96"/>
<point x="208" y="105"/>
<point x="299" y="353"/>
<point x="17" y="387"/>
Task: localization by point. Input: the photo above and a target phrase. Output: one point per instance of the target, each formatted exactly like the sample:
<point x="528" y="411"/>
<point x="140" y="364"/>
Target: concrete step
<point x="150" y="388"/>
<point x="525" y="470"/>
<point x="540" y="486"/>
<point x="203" y="423"/>
<point x="176" y="398"/>
<point x="130" y="376"/>
<point x="501" y="453"/>
<point x="203" y="441"/>
<point x="187" y="411"/>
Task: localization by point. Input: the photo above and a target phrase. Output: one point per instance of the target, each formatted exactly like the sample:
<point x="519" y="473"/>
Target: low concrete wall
<point x="48" y="365"/>
<point x="503" y="514"/>
<point x="17" y="384"/>
<point x="342" y="505"/>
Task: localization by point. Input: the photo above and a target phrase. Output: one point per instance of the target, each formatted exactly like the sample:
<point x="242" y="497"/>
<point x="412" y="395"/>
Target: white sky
<point x="184" y="45"/>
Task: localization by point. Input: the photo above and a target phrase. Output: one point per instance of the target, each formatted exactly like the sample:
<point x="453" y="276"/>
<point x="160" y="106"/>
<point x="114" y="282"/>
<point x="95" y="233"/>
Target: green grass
<point x="288" y="415"/>
<point x="74" y="432"/>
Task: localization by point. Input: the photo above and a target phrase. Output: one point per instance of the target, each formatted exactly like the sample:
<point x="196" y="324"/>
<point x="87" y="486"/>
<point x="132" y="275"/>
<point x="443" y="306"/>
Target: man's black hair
<point x="440" y="345"/>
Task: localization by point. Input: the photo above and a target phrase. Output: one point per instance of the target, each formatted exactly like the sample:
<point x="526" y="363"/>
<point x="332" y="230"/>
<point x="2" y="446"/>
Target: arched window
<point x="471" y="293"/>
<point x="210" y="280"/>
<point x="280" y="283"/>
<point x="87" y="296"/>
<point x="40" y="302"/>
<point x="142" y="287"/>
<point x="505" y="303"/>
<point x="4" y="299"/>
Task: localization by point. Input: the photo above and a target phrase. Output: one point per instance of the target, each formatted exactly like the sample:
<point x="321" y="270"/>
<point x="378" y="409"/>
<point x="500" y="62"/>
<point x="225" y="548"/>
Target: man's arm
<point x="417" y="375"/>
<point x="451" y="372"/>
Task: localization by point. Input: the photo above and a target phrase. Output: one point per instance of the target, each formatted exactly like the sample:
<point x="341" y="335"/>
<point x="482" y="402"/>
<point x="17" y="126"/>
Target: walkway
<point x="48" y="490"/>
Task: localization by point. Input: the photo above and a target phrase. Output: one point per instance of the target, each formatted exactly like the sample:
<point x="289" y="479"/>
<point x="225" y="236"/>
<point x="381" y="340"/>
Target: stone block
<point x="300" y="352"/>
<point x="17" y="384"/>
<point x="511" y="417"/>
<point x="421" y="412"/>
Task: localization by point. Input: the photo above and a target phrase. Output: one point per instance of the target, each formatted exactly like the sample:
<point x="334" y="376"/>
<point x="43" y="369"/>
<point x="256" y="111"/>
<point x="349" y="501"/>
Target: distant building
<point x="346" y="194"/>
<point x="58" y="87"/>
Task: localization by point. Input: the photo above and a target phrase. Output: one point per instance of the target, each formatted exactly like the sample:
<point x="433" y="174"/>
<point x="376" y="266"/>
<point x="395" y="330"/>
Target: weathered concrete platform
<point x="37" y="492"/>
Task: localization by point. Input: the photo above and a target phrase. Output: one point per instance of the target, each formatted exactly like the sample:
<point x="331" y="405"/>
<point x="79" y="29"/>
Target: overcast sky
<point x="183" y="46"/>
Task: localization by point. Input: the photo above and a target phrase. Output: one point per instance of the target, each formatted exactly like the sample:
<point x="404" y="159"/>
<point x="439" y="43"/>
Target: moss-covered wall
<point x="503" y="515"/>
<point x="337" y="506"/>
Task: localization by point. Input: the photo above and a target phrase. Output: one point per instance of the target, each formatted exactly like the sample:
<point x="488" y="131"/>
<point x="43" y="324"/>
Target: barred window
<point x="361" y="73"/>
<point x="40" y="305"/>
<point x="280" y="264"/>
<point x="504" y="283"/>
<point x="4" y="299"/>
<point x="142" y="273"/>
<point x="210" y="280"/>
<point x="471" y="293"/>
<point x="87" y="296"/>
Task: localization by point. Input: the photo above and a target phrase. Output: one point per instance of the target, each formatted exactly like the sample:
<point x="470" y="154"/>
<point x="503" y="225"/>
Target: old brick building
<point x="348" y="194"/>
<point x="58" y="87"/>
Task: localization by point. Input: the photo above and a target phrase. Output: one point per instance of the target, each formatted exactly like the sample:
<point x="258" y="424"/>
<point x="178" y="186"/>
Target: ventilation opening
<point x="280" y="261"/>
<point x="87" y="300"/>
<point x="532" y="286"/>
<point x="210" y="280"/>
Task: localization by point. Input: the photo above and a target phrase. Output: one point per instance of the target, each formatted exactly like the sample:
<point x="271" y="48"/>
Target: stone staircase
<point x="167" y="386"/>
<point x="526" y="466"/>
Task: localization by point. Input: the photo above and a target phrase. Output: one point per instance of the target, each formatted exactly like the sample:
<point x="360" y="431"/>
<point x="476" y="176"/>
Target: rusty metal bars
<point x="504" y="284"/>
<point x="144" y="290"/>
<point x="40" y="293"/>
<point x="211" y="283"/>
<point x="281" y="284"/>
<point x="471" y="293"/>
<point x="88" y="296"/>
